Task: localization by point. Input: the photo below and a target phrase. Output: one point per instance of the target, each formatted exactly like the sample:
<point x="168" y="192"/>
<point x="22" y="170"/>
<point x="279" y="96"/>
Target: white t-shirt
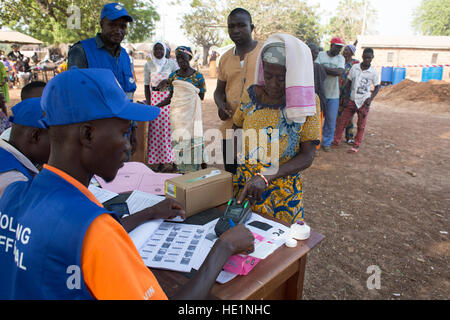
<point x="8" y="177"/>
<point x="150" y="68"/>
<point x="331" y="83"/>
<point x="362" y="81"/>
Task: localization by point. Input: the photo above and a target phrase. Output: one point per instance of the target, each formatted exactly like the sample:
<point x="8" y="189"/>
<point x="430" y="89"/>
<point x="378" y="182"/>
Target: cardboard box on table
<point x="201" y="190"/>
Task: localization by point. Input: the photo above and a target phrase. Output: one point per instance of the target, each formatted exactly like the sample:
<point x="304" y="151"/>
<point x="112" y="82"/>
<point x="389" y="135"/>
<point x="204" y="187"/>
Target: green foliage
<point x="286" y="16"/>
<point x="203" y="25"/>
<point x="432" y="18"/>
<point x="352" y="18"/>
<point x="207" y="24"/>
<point x="47" y="20"/>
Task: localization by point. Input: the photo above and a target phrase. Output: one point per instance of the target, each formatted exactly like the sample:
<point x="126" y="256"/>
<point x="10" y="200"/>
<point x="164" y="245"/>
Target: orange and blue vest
<point x="121" y="66"/>
<point x="44" y="234"/>
<point x="9" y="163"/>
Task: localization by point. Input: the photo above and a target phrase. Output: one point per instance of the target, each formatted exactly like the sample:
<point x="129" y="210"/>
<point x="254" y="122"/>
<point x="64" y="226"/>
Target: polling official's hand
<point x="167" y="209"/>
<point x="239" y="239"/>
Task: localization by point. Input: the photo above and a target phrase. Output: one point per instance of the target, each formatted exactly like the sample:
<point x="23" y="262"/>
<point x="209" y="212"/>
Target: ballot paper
<point x="102" y="195"/>
<point x="172" y="246"/>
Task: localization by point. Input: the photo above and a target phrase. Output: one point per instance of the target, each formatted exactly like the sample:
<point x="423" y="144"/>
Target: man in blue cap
<point x="66" y="245"/>
<point x="28" y="144"/>
<point x="104" y="50"/>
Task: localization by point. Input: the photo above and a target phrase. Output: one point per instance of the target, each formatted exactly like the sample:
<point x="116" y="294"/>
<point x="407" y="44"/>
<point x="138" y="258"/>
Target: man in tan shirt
<point x="236" y="73"/>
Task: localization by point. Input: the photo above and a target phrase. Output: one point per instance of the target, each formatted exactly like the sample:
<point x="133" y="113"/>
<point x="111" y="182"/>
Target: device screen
<point x="235" y="212"/>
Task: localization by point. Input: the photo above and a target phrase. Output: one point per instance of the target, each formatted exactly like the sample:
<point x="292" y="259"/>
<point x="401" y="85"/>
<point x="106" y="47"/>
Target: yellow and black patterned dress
<point x="271" y="141"/>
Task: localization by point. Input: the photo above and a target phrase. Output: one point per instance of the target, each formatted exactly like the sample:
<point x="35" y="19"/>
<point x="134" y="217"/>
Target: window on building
<point x="434" y="58"/>
<point x="390" y="57"/>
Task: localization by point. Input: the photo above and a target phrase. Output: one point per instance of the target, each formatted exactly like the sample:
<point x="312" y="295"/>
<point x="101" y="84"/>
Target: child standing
<point x="360" y="80"/>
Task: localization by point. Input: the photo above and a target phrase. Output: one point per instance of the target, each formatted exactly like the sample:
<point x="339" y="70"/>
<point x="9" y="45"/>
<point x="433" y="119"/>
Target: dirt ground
<point x="387" y="206"/>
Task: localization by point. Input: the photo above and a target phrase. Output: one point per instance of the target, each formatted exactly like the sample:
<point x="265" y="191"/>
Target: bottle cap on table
<point x="300" y="230"/>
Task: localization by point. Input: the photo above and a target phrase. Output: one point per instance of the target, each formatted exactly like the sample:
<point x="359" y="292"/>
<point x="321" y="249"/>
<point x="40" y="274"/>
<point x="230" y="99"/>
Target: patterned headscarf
<point x="286" y="50"/>
<point x="352" y="48"/>
<point x="275" y="53"/>
<point x="185" y="49"/>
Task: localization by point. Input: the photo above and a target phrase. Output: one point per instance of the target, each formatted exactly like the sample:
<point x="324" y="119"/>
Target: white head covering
<point x="300" y="93"/>
<point x="159" y="63"/>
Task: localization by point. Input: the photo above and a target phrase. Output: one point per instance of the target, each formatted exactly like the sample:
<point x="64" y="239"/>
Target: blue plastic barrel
<point x="399" y="75"/>
<point x="386" y="74"/>
<point x="437" y="73"/>
<point x="426" y="74"/>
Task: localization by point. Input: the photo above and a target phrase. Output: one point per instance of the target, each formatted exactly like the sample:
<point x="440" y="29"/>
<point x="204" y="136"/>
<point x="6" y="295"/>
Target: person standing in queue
<point x="334" y="65"/>
<point x="236" y="73"/>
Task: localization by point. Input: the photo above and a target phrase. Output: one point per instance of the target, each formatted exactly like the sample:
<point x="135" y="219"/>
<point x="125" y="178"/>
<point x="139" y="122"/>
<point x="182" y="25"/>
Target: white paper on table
<point x="140" y="234"/>
<point x="275" y="234"/>
<point x="225" y="276"/>
<point x="176" y="219"/>
<point x="139" y="200"/>
<point x="94" y="182"/>
<point x="273" y="239"/>
<point x="102" y="195"/>
<point x="205" y="245"/>
<point x="172" y="246"/>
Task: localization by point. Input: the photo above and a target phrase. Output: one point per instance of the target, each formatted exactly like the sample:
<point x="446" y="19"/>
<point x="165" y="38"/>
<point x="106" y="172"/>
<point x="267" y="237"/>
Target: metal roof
<point x="412" y="42"/>
<point x="17" y="37"/>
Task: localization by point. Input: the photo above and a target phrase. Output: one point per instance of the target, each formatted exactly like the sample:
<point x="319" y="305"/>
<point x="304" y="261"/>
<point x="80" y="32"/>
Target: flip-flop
<point x="353" y="150"/>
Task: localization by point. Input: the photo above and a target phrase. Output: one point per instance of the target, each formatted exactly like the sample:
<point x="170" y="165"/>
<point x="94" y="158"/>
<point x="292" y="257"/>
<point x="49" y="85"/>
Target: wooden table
<point x="278" y="277"/>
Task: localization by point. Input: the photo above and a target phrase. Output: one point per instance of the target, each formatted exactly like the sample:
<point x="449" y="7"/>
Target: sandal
<point x="353" y="150"/>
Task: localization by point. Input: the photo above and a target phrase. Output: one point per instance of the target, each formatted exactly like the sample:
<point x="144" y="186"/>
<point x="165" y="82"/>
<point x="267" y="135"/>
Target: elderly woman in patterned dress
<point x="273" y="183"/>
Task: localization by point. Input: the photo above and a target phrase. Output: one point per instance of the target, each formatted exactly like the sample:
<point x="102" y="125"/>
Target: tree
<point x="56" y="21"/>
<point x="432" y="18"/>
<point x="286" y="16"/>
<point x="203" y="26"/>
<point x="352" y="18"/>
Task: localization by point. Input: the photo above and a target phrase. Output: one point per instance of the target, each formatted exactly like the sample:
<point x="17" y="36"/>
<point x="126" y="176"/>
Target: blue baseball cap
<point x="114" y="11"/>
<point x="80" y="95"/>
<point x="28" y="113"/>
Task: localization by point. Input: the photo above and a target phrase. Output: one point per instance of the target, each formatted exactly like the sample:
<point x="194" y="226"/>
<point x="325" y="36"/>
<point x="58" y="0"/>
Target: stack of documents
<point x="137" y="176"/>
